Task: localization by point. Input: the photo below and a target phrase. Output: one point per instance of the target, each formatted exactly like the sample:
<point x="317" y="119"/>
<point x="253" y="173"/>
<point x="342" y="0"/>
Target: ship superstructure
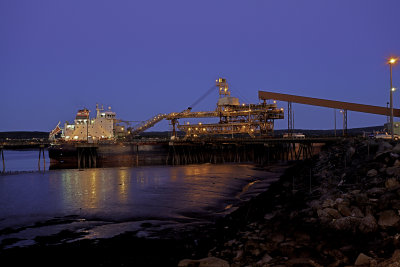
<point x="84" y="128"/>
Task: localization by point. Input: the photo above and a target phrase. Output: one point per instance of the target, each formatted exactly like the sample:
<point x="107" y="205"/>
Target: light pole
<point x="391" y="62"/>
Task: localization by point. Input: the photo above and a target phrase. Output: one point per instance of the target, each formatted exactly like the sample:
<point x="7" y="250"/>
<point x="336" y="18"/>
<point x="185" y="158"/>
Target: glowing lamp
<point x="392" y="60"/>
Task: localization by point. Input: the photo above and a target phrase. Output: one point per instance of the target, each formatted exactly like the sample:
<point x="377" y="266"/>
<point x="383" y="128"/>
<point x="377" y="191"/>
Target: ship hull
<point x="69" y="155"/>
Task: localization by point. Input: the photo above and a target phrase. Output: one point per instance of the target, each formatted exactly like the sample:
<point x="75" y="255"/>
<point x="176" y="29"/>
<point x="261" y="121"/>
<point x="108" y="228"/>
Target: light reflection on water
<point x="122" y="196"/>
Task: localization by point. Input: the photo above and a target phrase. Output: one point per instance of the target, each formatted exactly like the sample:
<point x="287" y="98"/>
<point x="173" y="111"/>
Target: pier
<point x="87" y="155"/>
<point x="25" y="144"/>
<point x="258" y="151"/>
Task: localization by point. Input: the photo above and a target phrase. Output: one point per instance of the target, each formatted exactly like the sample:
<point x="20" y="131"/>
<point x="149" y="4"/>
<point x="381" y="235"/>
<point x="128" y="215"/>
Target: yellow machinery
<point x="234" y="118"/>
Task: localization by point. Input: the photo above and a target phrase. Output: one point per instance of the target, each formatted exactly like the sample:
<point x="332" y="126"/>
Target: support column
<point x="345" y="122"/>
<point x="290" y="119"/>
<point x="2" y="158"/>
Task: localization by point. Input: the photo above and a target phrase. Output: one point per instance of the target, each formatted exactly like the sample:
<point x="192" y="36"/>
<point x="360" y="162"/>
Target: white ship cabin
<point x="86" y="129"/>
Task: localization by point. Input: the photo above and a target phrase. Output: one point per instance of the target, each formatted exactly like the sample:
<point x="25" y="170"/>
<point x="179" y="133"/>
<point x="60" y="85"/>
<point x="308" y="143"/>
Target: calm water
<point x="101" y="203"/>
<point x="24" y="160"/>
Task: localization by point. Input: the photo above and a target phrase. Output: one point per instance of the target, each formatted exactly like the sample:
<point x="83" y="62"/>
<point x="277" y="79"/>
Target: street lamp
<point x="391" y="61"/>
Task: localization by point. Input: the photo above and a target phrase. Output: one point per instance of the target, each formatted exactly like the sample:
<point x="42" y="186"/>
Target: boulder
<point x="372" y="173"/>
<point x="344" y="210"/>
<point x="264" y="260"/>
<point x="361" y="198"/>
<point x="206" y="262"/>
<point x="394" y="261"/>
<point x="346" y="224"/>
<point x="368" y="224"/>
<point x="386" y="199"/>
<point x="362" y="259"/>
<point x="315" y="205"/>
<point x="239" y="255"/>
<point x="328" y="203"/>
<point x="350" y="152"/>
<point x="356" y="212"/>
<point x="396" y="148"/>
<point x="376" y="191"/>
<point x="392" y="183"/>
<point x="383" y="147"/>
<point x="277" y="237"/>
<point x="388" y="218"/>
<point x="393" y="171"/>
<point x="324" y="216"/>
<point x="333" y="213"/>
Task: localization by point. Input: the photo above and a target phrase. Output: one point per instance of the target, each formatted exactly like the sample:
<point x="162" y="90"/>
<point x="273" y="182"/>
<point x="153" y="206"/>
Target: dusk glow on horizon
<point x="145" y="58"/>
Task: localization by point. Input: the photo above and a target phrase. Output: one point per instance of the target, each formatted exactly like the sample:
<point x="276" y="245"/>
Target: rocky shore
<point x="339" y="209"/>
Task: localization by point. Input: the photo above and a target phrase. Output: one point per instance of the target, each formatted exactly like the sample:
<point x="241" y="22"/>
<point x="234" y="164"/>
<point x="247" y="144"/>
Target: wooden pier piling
<point x="259" y="153"/>
<point x="41" y="151"/>
<point x="87" y="155"/>
<point x="2" y="159"/>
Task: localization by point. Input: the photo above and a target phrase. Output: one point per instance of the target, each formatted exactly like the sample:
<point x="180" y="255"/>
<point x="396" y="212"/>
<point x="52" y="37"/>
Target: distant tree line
<point x="23" y="135"/>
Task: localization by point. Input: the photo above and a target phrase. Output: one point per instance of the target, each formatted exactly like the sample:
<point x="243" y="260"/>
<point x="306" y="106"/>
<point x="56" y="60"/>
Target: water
<point x="101" y="203"/>
<point x="24" y="160"/>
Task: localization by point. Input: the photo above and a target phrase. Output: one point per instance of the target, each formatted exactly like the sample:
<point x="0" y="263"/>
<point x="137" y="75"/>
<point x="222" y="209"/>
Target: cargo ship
<point x="101" y="142"/>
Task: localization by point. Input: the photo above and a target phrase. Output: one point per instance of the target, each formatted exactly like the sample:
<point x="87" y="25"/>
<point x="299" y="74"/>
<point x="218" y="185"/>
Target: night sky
<point x="148" y="57"/>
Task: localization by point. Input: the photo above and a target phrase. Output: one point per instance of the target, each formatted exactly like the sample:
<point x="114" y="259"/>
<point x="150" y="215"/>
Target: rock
<point x="388" y="218"/>
<point x="350" y="152"/>
<point x="346" y="224"/>
<point x="394" y="261"/>
<point x="315" y="205"/>
<point x="396" y="148"/>
<point x="264" y="260"/>
<point x="230" y="243"/>
<point x="376" y="191"/>
<point x="277" y="238"/>
<point x="206" y="262"/>
<point x="324" y="216"/>
<point x="299" y="262"/>
<point x="342" y="201"/>
<point x="356" y="212"/>
<point x="302" y="236"/>
<point x="396" y="204"/>
<point x="386" y="199"/>
<point x="368" y="224"/>
<point x="372" y="173"/>
<point x="333" y="213"/>
<point x="361" y="198"/>
<point x="344" y="210"/>
<point x="239" y="255"/>
<point x="392" y="183"/>
<point x="269" y="216"/>
<point x="395" y="156"/>
<point x="383" y="147"/>
<point x="328" y="203"/>
<point x="393" y="171"/>
<point x="362" y="259"/>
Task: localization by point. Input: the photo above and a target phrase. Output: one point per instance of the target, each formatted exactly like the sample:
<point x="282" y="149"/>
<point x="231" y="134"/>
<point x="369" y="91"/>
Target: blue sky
<point x="148" y="57"/>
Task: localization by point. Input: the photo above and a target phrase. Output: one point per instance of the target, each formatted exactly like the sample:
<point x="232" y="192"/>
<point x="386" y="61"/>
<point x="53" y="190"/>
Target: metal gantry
<point x="234" y="118"/>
